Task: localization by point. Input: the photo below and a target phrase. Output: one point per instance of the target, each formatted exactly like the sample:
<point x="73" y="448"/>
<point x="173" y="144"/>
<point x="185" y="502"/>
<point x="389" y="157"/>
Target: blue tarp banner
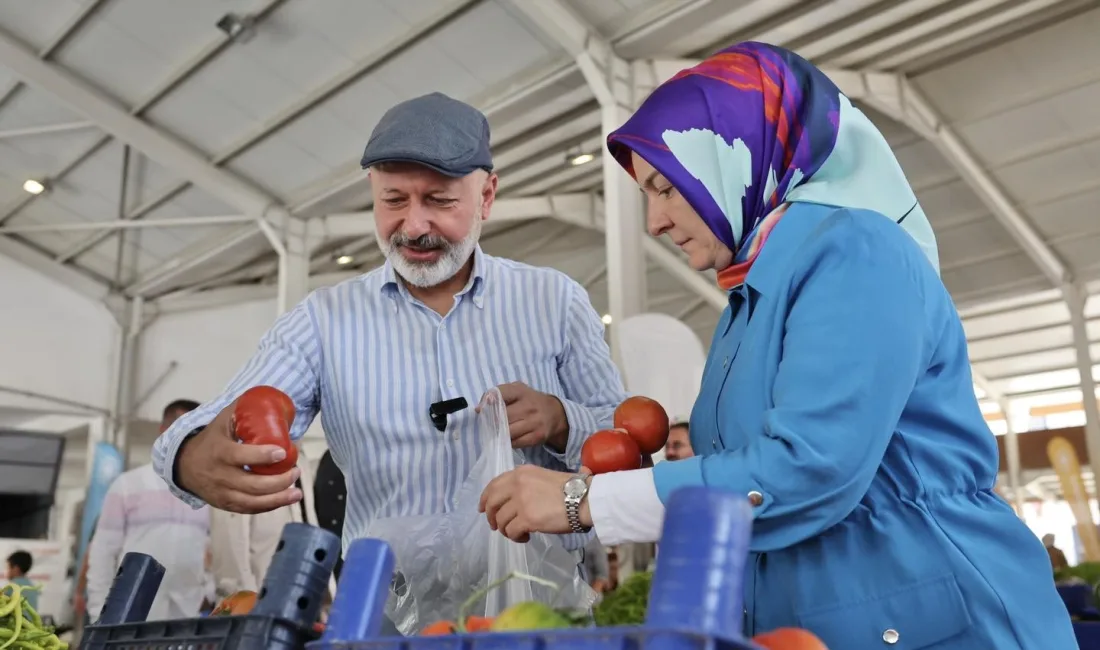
<point x="106" y="466"/>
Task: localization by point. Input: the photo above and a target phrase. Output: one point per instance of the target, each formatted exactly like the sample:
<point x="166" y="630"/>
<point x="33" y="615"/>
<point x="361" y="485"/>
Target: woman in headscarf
<point x="837" y="395"/>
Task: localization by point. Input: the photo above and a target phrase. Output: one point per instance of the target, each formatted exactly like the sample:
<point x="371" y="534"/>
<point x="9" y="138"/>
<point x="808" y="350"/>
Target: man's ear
<point x="488" y="194"/>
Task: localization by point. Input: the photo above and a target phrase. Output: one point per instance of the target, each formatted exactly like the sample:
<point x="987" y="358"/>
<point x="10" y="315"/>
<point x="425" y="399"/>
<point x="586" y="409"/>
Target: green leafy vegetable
<point x="627" y="604"/>
<point x="20" y="626"/>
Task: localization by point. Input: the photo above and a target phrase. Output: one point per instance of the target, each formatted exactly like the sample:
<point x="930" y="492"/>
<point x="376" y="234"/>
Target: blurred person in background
<point x="19" y="569"/>
<point x="597" y="568"/>
<point x="242" y="545"/>
<point x="1057" y="557"/>
<point x="140" y="514"/>
<point x="330" y="496"/>
<point x="678" y="446"/>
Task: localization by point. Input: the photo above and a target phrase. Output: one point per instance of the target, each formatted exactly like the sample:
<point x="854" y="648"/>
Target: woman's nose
<point x="657" y="223"/>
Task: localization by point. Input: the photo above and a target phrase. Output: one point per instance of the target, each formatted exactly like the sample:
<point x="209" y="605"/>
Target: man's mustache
<point x="423" y="242"/>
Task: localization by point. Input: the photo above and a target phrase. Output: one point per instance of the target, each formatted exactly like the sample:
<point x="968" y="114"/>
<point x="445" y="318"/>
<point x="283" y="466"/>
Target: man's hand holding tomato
<point x="211" y="465"/>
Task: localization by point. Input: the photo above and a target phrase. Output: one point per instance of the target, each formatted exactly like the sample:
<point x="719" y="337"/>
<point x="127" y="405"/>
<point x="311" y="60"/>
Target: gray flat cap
<point x="433" y="130"/>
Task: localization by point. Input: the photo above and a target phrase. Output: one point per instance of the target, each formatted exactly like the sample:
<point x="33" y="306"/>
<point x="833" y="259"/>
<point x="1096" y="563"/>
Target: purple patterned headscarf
<point x="755" y="126"/>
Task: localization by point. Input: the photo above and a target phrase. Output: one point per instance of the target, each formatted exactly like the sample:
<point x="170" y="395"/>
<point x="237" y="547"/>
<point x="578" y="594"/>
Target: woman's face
<point x="669" y="213"/>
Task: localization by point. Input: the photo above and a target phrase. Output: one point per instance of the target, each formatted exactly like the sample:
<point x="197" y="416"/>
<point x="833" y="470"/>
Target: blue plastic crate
<point x="695" y="603"/>
<point x="288" y="604"/>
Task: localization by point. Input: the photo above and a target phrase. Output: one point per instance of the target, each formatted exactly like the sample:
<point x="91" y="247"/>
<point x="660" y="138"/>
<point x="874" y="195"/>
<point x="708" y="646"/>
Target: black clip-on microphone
<point x="439" y="411"/>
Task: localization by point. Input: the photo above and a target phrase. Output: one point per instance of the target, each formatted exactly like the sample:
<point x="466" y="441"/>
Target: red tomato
<point x="479" y="624"/>
<point x="439" y="628"/>
<point x="237" y="604"/>
<point x="646" y="421"/>
<point x="263" y="416"/>
<point x="610" y="451"/>
<point x="789" y="638"/>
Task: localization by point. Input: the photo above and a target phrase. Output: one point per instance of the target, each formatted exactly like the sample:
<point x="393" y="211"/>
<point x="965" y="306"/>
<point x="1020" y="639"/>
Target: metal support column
<point x="610" y="79"/>
<point x="293" y="242"/>
<point x="1012" y="455"/>
<point x="1075" y="300"/>
<point x="126" y="372"/>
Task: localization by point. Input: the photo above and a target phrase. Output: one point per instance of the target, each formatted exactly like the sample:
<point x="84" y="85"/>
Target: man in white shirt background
<point x="139" y="514"/>
<point x="242" y="545"/>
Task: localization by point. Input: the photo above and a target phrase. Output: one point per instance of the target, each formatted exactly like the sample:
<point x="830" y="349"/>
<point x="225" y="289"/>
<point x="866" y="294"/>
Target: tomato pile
<point x="641" y="429"/>
<point x="263" y="416"/>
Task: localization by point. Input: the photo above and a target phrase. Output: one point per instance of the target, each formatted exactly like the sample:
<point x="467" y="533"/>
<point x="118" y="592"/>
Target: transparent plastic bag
<point x="444" y="559"/>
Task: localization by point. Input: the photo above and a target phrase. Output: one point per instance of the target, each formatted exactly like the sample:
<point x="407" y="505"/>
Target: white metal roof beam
<point x="499" y="99"/>
<point x="75" y="280"/>
<point x="900" y="99"/>
<point x="170" y="152"/>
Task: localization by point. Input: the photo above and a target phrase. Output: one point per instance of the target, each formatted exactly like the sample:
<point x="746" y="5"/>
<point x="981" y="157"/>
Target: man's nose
<point x="417" y="222"/>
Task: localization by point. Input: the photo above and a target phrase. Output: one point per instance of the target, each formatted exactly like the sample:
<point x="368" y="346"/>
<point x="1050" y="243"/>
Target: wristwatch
<point x="575" y="490"/>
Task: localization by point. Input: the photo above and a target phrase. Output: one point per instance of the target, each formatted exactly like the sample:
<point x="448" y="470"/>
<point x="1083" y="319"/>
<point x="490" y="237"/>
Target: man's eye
<point x="442" y="201"/>
<point x="393" y="202"/>
<point x="667" y="192"/>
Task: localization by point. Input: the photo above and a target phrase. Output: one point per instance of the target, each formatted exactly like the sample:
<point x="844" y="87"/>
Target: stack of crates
<point x="288" y="605"/>
<point x="695" y="602"/>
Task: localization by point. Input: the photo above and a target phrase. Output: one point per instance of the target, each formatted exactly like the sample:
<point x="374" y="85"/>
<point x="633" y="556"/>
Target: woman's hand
<point x="529" y="500"/>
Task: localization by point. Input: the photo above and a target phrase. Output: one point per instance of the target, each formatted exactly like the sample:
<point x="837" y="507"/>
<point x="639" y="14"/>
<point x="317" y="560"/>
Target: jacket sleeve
<point x="854" y="344"/>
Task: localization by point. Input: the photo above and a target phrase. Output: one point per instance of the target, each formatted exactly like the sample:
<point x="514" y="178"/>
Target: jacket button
<point x="755" y="499"/>
<point x="891" y="636"/>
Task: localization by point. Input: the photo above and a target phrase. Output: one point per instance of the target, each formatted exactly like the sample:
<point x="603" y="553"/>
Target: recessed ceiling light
<point x="581" y="159"/>
<point x="344" y="259"/>
<point x="33" y="186"/>
<point x="606" y="319"/>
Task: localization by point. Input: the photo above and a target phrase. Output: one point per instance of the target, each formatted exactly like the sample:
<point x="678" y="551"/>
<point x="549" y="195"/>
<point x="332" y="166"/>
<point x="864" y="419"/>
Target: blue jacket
<point x="838" y="389"/>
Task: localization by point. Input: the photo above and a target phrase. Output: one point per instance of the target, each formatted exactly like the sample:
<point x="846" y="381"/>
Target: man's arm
<point x="592" y="384"/>
<point x="288" y="358"/>
<point x="105" y="548"/>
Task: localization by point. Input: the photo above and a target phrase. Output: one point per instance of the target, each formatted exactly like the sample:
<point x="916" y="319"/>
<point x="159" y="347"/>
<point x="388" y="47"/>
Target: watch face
<point x="575" y="487"/>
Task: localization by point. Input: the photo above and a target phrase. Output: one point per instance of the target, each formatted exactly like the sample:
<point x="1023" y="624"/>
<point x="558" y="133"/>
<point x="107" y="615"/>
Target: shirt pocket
<point x="922" y="615"/>
<point x="540" y="374"/>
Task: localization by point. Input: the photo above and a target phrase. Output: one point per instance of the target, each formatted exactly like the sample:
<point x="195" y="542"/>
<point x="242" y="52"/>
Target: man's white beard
<point x="426" y="275"/>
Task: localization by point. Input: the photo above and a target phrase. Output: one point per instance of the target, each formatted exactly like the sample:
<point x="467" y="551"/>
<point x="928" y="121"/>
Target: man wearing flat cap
<point x="440" y="321"/>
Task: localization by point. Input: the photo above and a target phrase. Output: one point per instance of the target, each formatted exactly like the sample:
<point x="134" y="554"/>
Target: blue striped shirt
<point x="371" y="359"/>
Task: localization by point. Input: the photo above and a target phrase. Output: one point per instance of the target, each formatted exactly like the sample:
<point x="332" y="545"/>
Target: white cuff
<point x="625" y="507"/>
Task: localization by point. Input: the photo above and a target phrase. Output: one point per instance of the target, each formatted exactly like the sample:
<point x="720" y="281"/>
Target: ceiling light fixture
<point x="237" y="28"/>
<point x="581" y="159"/>
<point x="606" y="319"/>
<point x="32" y="186"/>
<point x="343" y="260"/>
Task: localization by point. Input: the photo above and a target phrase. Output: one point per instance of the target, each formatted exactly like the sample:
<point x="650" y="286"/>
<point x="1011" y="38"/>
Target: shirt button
<point x="450" y="383"/>
<point x="890" y="637"/>
<point x="725" y="362"/>
<point x="755" y="499"/>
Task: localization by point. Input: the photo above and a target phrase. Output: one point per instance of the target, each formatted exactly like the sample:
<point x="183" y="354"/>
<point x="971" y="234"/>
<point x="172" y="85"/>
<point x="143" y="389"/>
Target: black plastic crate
<point x="209" y="633"/>
<point x="287" y="607"/>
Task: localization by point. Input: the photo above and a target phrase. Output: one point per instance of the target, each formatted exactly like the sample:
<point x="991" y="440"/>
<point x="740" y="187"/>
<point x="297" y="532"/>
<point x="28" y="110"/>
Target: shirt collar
<point x="475" y="286"/>
<point x="771" y="265"/>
